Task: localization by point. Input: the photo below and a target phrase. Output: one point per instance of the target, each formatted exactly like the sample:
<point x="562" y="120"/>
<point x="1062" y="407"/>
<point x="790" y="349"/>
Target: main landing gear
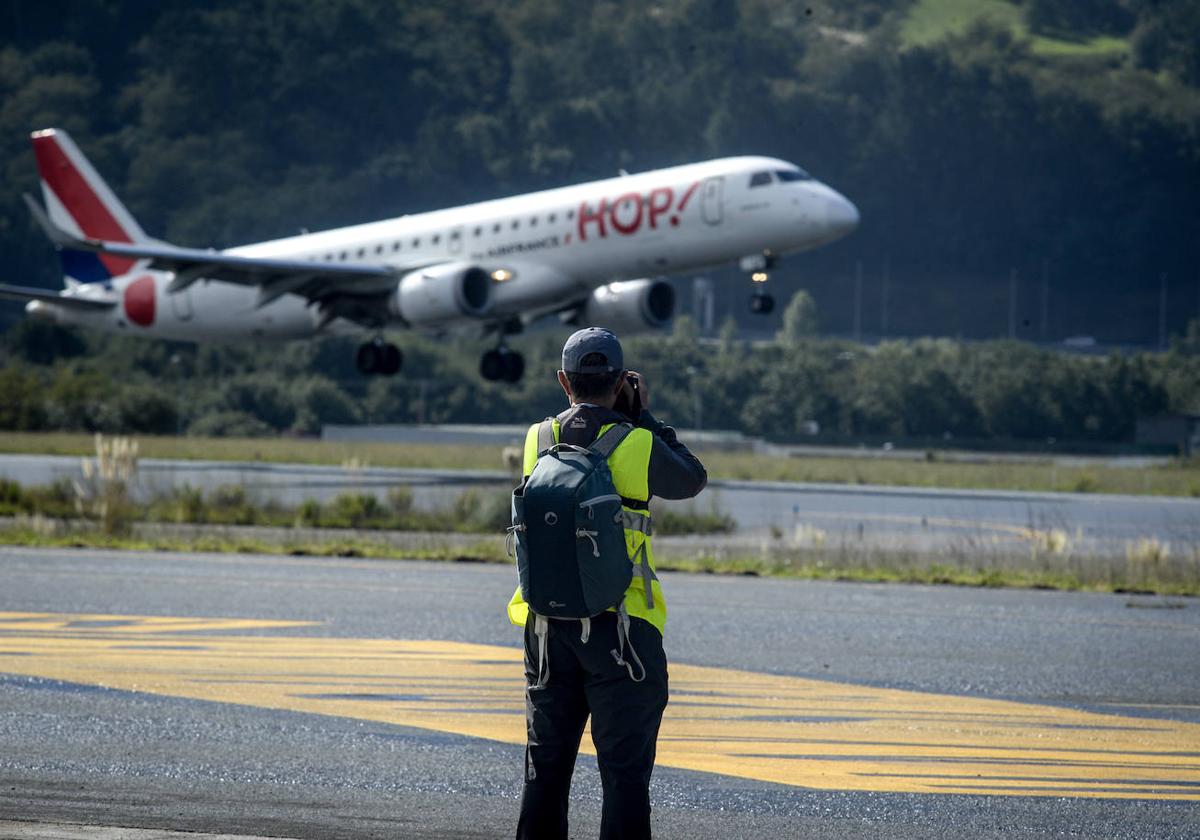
<point x="762" y="302"/>
<point x="378" y="356"/>
<point x="502" y="364"/>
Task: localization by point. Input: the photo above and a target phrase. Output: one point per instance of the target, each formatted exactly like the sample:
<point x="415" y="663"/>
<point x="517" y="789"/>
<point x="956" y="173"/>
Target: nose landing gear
<point x="762" y="302"/>
<point x="502" y="364"/>
<point x="380" y="357"/>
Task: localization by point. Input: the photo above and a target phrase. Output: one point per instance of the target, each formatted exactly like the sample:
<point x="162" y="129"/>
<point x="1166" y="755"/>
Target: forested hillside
<point x="1057" y="139"/>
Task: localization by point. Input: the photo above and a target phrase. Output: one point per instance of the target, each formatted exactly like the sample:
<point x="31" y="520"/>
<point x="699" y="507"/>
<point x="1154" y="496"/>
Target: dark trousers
<point x="586" y="678"/>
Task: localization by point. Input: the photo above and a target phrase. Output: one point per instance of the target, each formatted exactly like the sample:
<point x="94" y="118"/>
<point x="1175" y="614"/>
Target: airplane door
<point x="181" y="305"/>
<point x="712" y="193"/>
<point x="456" y="238"/>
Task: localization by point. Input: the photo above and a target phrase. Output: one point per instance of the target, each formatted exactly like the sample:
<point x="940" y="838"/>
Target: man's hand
<point x="628" y="400"/>
<point x="627" y="389"/>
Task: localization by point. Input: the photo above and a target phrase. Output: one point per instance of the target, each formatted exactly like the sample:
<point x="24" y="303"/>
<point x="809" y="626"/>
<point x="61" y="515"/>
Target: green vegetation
<point x="929" y="393"/>
<point x="473" y="511"/>
<point x="280" y="450"/>
<point x="931" y="21"/>
<point x="1180" y="478"/>
<point x="1135" y="575"/>
<point x="1055" y="138"/>
<point x="347" y="546"/>
<point x="1027" y="571"/>
<point x="978" y="139"/>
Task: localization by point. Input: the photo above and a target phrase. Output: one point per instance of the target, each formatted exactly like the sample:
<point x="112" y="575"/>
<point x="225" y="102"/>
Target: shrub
<point x="22" y="407"/>
<point x="322" y="402"/>
<point x="355" y="510"/>
<point x="104" y="491"/>
<point x="146" y="409"/>
<point x="229" y="424"/>
<point x="400" y="500"/>
<point x="308" y="515"/>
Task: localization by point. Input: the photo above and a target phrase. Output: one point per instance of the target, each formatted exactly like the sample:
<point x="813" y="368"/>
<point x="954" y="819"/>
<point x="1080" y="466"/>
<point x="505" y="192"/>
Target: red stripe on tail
<point x="80" y="200"/>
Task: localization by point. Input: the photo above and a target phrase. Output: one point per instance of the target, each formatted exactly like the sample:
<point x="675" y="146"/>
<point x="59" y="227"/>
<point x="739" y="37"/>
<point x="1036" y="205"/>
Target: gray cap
<point x="592" y="340"/>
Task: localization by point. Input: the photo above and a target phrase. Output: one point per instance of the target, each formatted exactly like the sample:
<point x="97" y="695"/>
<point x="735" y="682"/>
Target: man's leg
<point x="555" y="716"/>
<point x="625" y="720"/>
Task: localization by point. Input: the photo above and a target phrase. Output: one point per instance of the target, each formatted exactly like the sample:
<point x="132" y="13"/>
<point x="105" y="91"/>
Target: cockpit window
<point x="759" y="179"/>
<point x="796" y="174"/>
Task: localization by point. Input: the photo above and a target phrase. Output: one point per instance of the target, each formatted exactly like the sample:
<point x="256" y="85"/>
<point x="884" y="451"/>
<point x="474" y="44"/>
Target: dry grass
<point x="1178" y="479"/>
<point x="1056" y="567"/>
<point x="1048" y="564"/>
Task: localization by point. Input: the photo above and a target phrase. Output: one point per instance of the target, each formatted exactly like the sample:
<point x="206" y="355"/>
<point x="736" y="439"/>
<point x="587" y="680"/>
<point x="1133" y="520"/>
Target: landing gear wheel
<point x="392" y="360"/>
<point x="514" y="367"/>
<point x="491" y="366"/>
<point x="762" y="303"/>
<point x="369" y="357"/>
<point x="378" y="357"/>
<point x="502" y="364"/>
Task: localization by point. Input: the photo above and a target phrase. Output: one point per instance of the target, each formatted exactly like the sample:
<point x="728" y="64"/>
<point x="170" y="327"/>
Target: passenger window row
<point x="435" y="239"/>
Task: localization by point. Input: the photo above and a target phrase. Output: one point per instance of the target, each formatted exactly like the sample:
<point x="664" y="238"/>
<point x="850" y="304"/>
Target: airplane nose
<point x="841" y="216"/>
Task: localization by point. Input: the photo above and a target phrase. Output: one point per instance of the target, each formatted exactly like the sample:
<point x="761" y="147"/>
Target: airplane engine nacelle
<point x="442" y="293"/>
<point x="39" y="311"/>
<point x="630" y="306"/>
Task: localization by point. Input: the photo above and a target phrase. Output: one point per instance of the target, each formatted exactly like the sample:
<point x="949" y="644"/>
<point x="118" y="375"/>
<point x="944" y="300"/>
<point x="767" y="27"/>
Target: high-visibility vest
<point x="630" y="467"/>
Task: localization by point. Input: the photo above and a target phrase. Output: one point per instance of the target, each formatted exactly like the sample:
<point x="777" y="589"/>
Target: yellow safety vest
<point x="630" y="467"/>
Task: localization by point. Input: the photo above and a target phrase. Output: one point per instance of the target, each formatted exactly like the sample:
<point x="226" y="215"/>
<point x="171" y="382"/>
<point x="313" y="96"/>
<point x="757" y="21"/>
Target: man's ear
<point x="566" y="386"/>
<point x="621" y="382"/>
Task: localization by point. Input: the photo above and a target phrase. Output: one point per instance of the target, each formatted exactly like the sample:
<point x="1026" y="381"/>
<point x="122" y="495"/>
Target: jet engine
<point x="630" y="306"/>
<point x="442" y="293"/>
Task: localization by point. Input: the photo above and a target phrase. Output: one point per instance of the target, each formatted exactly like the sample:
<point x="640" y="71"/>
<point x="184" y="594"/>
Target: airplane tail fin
<point x="78" y="201"/>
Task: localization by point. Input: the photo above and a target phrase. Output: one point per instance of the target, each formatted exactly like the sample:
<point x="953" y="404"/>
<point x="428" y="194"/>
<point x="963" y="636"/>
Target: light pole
<point x="177" y="365"/>
<point x="697" y="409"/>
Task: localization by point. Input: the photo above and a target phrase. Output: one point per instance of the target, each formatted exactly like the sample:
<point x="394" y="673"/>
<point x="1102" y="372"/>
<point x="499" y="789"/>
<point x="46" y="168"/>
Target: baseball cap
<point x="592" y="340"/>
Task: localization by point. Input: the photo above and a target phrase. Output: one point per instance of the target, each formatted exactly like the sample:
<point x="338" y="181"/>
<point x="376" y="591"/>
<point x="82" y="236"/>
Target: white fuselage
<point x="557" y="244"/>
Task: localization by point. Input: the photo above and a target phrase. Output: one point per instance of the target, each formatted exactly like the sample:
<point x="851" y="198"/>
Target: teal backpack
<point x="568" y="533"/>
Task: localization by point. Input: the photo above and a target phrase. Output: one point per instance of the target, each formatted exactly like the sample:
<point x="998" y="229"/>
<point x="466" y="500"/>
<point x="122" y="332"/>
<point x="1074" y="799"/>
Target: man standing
<point x="578" y="672"/>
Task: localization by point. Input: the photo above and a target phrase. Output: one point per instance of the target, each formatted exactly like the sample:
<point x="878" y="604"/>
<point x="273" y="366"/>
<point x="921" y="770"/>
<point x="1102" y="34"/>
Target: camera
<point x="629" y="401"/>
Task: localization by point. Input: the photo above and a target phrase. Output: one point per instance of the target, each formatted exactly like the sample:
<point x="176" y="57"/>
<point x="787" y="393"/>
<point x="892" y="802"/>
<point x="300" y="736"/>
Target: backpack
<point x="568" y="533"/>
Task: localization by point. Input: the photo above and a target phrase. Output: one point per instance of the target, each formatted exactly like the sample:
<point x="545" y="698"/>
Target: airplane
<point x="593" y="254"/>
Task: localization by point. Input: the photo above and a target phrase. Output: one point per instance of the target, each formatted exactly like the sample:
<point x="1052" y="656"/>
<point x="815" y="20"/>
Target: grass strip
<point x="930" y="21"/>
<point x="483" y="551"/>
<point x="877" y="568"/>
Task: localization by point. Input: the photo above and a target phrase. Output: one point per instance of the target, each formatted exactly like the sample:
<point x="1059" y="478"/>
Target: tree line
<point x="939" y="391"/>
<point x="972" y="157"/>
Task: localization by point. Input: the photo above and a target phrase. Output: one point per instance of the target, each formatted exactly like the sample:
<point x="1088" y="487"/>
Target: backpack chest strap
<point x="607" y="443"/>
<point x="545" y="440"/>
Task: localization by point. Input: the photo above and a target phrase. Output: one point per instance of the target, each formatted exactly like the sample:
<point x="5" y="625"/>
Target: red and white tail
<point x="78" y="201"/>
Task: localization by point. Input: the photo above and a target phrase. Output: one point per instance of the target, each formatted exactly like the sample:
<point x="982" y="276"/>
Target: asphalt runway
<point x="856" y="516"/>
<point x="322" y="698"/>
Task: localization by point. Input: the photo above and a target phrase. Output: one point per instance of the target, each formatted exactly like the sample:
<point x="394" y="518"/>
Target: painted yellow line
<point x="788" y="730"/>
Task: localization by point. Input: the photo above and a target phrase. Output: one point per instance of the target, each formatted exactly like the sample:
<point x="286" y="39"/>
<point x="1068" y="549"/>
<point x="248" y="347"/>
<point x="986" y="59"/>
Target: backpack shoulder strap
<point x="545" y="436"/>
<point x="607" y="443"/>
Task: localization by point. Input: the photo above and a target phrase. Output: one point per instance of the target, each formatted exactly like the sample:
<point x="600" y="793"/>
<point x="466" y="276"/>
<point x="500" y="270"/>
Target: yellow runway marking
<point x="788" y="730"/>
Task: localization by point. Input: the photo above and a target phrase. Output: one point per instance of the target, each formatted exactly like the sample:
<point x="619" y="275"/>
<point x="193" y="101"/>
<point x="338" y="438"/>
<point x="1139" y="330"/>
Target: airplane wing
<point x="320" y="282"/>
<point x="28" y="293"/>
